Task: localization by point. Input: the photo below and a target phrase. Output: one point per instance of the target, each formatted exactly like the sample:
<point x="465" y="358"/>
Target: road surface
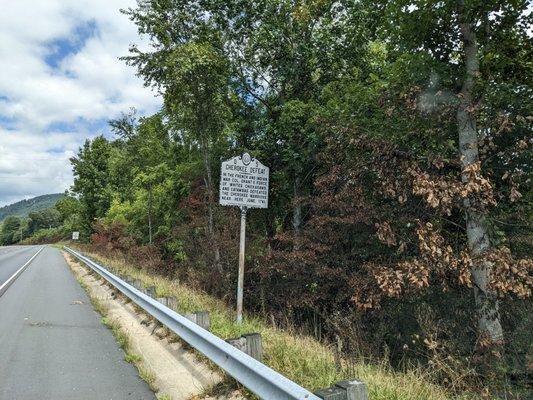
<point x="12" y="258"/>
<point x="52" y="343"/>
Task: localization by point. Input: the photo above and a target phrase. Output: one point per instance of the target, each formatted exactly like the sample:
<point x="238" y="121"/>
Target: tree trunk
<point x="297" y="212"/>
<point x="478" y="240"/>
<point x="150" y="214"/>
<point x="210" y="201"/>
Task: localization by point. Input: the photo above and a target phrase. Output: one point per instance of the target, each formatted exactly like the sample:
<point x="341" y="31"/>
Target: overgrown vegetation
<point x="398" y="135"/>
<point x="299" y="357"/>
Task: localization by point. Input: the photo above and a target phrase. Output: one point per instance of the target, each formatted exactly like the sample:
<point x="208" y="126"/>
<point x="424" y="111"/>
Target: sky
<point x="60" y="82"/>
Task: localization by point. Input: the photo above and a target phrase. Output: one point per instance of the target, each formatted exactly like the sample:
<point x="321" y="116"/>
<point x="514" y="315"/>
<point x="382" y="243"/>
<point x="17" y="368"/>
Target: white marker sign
<point x="75" y="235"/>
<point x="244" y="182"/>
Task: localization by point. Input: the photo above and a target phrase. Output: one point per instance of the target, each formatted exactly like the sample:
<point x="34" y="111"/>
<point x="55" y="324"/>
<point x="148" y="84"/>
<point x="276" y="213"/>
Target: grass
<point x="147" y="376"/>
<point x="301" y="358"/>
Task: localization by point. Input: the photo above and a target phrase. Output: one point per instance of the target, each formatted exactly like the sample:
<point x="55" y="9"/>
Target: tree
<point x="455" y="36"/>
<point x="10" y="227"/>
<point x="91" y="179"/>
<point x="283" y="53"/>
<point x="68" y="207"/>
<point x="44" y="219"/>
<point x="191" y="70"/>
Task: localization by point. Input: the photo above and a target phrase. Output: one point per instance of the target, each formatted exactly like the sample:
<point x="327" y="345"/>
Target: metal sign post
<point x="240" y="280"/>
<point x="243" y="183"/>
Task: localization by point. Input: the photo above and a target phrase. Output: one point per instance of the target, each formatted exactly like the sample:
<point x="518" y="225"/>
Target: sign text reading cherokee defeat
<point x="244" y="182"/>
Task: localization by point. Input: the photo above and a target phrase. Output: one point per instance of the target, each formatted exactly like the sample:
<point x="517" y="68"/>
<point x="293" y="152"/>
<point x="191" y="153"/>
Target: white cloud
<point x="32" y="164"/>
<point x="88" y="85"/>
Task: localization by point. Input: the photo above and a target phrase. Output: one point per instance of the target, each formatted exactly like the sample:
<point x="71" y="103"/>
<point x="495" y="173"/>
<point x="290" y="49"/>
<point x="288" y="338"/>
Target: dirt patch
<point x="177" y="373"/>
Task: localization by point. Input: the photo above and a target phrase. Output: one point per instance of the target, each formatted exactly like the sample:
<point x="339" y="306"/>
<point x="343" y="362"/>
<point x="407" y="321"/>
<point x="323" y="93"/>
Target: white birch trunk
<point x="478" y="240"/>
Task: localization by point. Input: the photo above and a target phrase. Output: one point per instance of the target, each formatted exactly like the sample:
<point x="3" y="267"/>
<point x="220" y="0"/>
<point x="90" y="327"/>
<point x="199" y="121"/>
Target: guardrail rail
<point x="254" y="375"/>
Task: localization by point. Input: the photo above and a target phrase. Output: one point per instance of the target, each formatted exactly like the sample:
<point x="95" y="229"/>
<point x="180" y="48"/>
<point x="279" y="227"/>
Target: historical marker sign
<point x="75" y="235"/>
<point x="244" y="182"/>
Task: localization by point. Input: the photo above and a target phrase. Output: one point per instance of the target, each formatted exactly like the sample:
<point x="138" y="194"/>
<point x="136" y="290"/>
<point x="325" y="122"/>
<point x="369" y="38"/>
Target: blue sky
<point x="61" y="82"/>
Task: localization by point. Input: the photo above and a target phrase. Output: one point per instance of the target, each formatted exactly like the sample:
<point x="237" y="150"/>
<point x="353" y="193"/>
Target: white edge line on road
<point x="6" y="284"/>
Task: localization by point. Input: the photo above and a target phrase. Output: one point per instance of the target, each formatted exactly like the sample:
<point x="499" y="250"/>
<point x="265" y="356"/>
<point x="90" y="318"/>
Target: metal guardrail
<point x="254" y="375"/>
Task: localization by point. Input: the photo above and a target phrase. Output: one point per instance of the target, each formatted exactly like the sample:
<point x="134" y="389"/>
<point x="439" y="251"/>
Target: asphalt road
<point x="12" y="258"/>
<point x="52" y="343"/>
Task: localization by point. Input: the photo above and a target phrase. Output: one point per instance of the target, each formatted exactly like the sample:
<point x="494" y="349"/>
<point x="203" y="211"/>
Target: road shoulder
<point x="172" y="371"/>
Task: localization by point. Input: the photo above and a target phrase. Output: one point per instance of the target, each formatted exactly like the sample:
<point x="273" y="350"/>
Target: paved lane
<point x="12" y="258"/>
<point x="52" y="343"/>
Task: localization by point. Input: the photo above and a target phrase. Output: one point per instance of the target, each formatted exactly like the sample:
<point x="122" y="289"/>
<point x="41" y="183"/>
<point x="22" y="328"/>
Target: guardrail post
<point x="344" y="390"/>
<point x="355" y="390"/>
<point x="150" y="291"/>
<point x="172" y="303"/>
<point x="200" y="318"/>
<point x="250" y="344"/>
<point x="254" y="345"/>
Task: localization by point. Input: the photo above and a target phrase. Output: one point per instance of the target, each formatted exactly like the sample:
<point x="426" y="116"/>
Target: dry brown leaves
<point x="443" y="193"/>
<point x="510" y="276"/>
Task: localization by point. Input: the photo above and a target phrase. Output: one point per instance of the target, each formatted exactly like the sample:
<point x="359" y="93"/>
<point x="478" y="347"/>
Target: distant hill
<point x="24" y="207"/>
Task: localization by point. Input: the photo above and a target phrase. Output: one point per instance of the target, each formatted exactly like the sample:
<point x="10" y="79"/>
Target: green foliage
<point x="47" y="218"/>
<point x="91" y="178"/>
<point x="10" y="228"/>
<point x="353" y="106"/>
<point x="48" y="235"/>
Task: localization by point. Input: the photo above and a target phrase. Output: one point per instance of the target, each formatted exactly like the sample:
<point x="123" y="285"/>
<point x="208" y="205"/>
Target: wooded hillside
<point x="24" y="207"/>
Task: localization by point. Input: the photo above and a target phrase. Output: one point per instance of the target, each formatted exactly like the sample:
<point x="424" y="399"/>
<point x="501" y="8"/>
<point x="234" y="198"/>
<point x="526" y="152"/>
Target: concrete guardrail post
<point x="345" y="390"/>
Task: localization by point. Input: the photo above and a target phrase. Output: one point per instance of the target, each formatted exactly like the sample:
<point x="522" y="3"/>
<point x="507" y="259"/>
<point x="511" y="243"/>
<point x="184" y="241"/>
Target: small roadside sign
<point x="75" y="236"/>
<point x="243" y="183"/>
